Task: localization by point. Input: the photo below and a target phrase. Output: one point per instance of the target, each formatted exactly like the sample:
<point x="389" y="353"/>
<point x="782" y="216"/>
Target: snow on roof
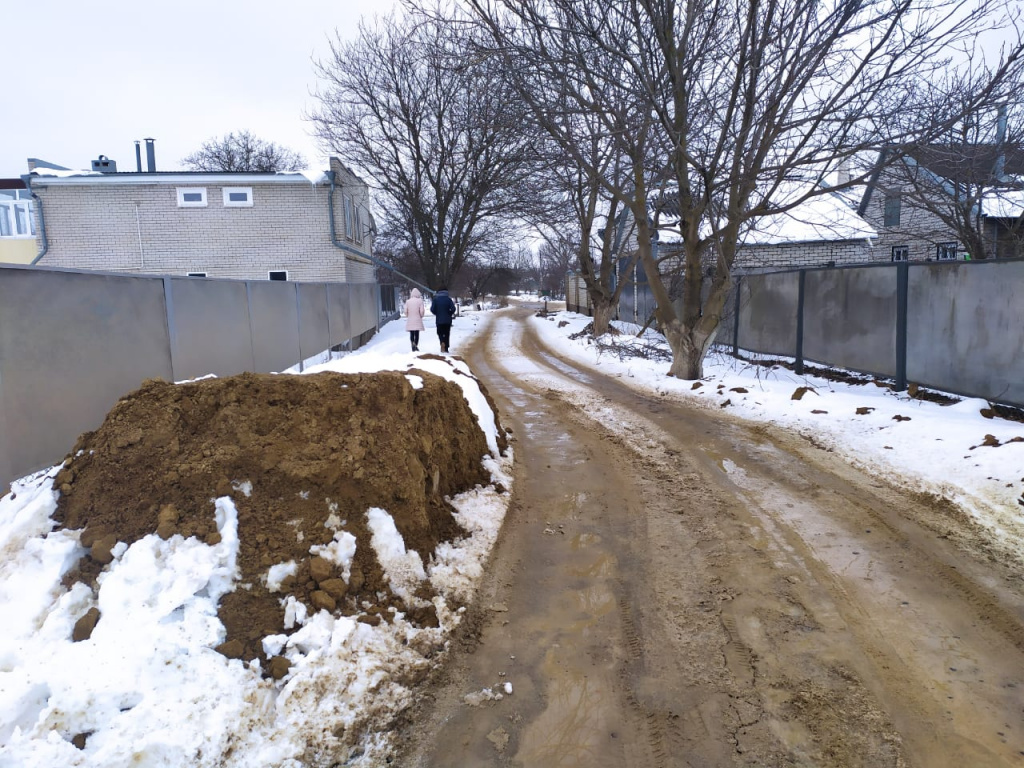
<point x="825" y="217"/>
<point x="1003" y="203"/>
<point x="314" y="175"/>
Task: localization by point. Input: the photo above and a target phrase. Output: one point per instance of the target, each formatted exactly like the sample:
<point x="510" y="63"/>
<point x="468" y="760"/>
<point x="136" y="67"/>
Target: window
<point x="238" y="197"/>
<point x="16" y="219"/>
<point x="901" y="253"/>
<point x="191" y="197"/>
<point x="196" y="274"/>
<point x="893" y="206"/>
<point x="278" y="275"/>
<point x="945" y="251"/>
<point x="347" y="203"/>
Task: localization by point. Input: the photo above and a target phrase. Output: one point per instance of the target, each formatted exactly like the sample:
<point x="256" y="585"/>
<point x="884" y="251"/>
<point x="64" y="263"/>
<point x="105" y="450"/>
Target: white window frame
<point x="195" y="274"/>
<point x="278" y="272"/>
<point x="19" y="216"/>
<point x="946" y="251"/>
<point x="901" y="253"/>
<point x="183" y="203"/>
<point x="229" y="203"/>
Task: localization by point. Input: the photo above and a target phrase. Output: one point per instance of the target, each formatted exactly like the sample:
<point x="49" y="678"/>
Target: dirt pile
<point x="290" y="451"/>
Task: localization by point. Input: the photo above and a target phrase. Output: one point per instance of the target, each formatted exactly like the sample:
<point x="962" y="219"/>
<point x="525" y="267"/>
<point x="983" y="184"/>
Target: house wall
<point x="760" y="258"/>
<point x="919" y="229"/>
<point x="140" y="228"/>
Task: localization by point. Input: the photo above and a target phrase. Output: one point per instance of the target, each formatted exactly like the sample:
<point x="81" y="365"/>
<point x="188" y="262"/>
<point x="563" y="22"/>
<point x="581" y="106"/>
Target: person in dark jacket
<point x="444" y="310"/>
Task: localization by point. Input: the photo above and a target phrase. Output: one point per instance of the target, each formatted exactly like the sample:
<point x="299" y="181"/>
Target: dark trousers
<point x="444" y="333"/>
<point x="414" y="337"/>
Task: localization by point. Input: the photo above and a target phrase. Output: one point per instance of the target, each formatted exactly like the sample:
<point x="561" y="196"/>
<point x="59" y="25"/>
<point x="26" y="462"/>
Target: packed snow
<point x="148" y="688"/>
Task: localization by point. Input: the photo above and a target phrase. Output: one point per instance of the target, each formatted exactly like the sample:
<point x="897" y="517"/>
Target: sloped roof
<point x="825" y="217"/>
<point x="975" y="162"/>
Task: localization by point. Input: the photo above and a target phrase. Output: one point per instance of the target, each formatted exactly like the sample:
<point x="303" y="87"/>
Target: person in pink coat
<point x="414" y="311"/>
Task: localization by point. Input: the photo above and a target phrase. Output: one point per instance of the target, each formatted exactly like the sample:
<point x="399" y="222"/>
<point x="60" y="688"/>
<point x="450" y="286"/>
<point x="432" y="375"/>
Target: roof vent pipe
<point x="138" y="156"/>
<point x="150" y="155"/>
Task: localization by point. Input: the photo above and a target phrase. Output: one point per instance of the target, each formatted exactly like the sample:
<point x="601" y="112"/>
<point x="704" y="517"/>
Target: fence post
<point x="736" y="317"/>
<point x="172" y="331"/>
<point x="798" y="364"/>
<point x="902" y="302"/>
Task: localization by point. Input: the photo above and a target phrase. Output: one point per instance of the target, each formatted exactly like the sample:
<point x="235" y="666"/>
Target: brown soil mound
<point x="306" y="444"/>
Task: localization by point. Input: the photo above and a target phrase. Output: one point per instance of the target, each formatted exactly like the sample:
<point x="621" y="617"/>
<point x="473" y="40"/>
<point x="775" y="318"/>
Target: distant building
<point x="255" y="226"/>
<point x="946" y="202"/>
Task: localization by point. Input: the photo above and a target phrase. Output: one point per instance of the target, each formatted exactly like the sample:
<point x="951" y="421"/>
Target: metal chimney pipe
<point x="1000" y="168"/>
<point x="150" y="156"/>
<point x="138" y="156"/>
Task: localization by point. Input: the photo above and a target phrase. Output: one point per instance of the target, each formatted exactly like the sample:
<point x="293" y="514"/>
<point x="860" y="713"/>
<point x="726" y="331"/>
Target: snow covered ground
<point x="147" y="689"/>
<point x="952" y="450"/>
<point x="151" y="691"/>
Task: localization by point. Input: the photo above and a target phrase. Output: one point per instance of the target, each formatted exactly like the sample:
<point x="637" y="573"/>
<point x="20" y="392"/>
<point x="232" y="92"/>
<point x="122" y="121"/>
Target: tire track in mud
<point x="743" y="632"/>
<point x="880" y="667"/>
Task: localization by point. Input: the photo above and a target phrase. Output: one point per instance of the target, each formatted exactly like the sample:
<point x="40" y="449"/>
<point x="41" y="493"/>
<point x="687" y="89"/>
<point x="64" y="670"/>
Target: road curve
<point x="674" y="587"/>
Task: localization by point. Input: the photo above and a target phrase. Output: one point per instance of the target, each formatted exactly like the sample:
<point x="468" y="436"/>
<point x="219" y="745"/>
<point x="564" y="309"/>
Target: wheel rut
<point x="676" y="588"/>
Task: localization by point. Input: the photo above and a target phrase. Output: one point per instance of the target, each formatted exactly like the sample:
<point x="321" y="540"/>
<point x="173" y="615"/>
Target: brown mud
<point x="290" y="451"/>
<point x="677" y="587"/>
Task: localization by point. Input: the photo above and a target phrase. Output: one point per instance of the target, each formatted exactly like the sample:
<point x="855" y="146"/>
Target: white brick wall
<point x="919" y="229"/>
<point x="140" y="228"/>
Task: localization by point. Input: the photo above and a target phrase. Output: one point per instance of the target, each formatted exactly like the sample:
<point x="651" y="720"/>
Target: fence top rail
<point x="881" y="265"/>
<point x="162" y="276"/>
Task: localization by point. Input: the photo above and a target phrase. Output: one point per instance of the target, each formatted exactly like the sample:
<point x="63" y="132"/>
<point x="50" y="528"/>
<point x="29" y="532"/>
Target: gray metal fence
<point x="952" y="326"/>
<point x="73" y="342"/>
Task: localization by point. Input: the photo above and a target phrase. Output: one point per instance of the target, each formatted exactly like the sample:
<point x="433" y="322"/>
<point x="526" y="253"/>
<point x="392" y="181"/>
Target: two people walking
<point x="442" y="307"/>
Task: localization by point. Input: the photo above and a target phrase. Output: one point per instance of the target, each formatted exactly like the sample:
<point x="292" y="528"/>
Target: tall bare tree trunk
<point x="604" y="312"/>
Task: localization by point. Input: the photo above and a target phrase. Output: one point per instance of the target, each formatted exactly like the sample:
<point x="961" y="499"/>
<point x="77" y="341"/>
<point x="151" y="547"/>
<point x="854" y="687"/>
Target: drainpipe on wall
<point x="349" y="249"/>
<point x="27" y="178"/>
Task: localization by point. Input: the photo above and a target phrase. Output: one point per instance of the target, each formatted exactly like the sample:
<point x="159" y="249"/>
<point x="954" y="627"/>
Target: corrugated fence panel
<point x="314" y="335"/>
<point x="365" y="312"/>
<point x="275" y="326"/>
<point x="850" y="318"/>
<point x="210" y="330"/>
<point x="340" y="313"/>
<point x="71" y="344"/>
<point x="965" y="328"/>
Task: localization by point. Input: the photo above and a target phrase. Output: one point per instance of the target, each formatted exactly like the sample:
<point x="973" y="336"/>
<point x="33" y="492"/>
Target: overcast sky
<point x="89" y="78"/>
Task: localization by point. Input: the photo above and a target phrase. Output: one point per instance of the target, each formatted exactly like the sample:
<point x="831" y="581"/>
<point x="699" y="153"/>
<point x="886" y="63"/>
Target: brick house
<point x="255" y="226"/>
<point x="947" y="202"/>
<point x="824" y="230"/>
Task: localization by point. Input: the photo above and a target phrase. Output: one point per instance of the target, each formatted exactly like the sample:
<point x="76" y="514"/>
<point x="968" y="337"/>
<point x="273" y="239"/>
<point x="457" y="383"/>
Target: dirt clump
<point x="293" y="453"/>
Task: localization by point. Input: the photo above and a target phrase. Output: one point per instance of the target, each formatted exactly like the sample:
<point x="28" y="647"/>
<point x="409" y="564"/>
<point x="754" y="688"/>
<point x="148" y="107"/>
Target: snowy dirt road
<point x="674" y="587"/>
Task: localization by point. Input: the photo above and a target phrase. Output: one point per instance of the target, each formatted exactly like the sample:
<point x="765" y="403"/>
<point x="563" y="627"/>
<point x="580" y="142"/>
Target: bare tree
<point x="739" y="109"/>
<point x="556" y="257"/>
<point x="437" y="127"/>
<point x="243" y="151"/>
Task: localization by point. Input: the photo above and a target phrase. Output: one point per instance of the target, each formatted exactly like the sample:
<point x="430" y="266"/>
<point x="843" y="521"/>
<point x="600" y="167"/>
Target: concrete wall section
<point x="850" y="318"/>
<point x="210" y="330"/>
<point x="965" y="329"/>
<point x="70" y="346"/>
<point x="767" y="319"/>
<point x="274" y="318"/>
<point x="314" y="335"/>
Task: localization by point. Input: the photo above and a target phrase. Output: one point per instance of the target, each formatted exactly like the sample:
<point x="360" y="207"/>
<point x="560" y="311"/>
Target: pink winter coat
<point x="414" y="311"/>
